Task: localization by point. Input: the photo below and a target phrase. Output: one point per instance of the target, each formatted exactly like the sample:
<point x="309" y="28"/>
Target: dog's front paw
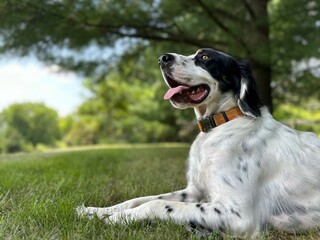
<point x="90" y="212"/>
<point x="83" y="211"/>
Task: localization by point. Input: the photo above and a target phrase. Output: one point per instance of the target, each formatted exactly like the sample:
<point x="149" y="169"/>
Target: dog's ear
<point x="248" y="97"/>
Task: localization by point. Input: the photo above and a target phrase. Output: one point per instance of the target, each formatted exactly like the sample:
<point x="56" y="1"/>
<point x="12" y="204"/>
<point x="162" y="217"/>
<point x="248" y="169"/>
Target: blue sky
<point x="27" y="80"/>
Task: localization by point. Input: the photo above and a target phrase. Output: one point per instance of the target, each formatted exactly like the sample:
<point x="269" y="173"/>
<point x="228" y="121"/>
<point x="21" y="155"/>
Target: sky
<point x="27" y="80"/>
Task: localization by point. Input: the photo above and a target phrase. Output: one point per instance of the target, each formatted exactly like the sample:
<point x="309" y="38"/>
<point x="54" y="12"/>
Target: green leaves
<point x="295" y="37"/>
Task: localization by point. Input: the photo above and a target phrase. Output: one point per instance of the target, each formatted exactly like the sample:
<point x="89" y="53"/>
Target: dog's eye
<point x="204" y="57"/>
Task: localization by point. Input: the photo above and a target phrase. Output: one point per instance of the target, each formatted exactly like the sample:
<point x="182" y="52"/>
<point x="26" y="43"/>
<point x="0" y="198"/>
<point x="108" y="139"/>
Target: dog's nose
<point x="166" y="58"/>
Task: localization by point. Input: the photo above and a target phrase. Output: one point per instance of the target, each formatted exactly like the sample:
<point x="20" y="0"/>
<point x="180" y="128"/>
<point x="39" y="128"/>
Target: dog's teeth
<point x="193" y="91"/>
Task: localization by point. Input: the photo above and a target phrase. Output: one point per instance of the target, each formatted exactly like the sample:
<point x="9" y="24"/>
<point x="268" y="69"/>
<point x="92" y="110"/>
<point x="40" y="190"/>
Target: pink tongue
<point x="173" y="91"/>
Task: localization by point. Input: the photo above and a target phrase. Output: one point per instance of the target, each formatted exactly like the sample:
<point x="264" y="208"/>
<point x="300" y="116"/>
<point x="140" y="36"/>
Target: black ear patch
<point x="248" y="97"/>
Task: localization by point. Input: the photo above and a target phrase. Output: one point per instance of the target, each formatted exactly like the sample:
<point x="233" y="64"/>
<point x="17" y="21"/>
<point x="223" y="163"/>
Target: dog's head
<point x="209" y="78"/>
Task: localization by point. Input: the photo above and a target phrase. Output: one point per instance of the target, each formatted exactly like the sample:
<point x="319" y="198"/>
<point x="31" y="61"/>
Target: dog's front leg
<point x="201" y="217"/>
<point x="190" y="194"/>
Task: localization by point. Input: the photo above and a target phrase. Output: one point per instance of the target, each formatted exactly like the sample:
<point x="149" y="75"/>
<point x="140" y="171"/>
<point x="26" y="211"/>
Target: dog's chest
<point x="206" y="159"/>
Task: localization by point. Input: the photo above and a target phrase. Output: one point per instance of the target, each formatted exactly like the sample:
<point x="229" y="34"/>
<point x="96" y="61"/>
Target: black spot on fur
<point x="169" y="209"/>
<point x="258" y="163"/>
<point x="217" y="210"/>
<point x="240" y="179"/>
<point x="184" y="197"/>
<point x="160" y="197"/>
<point x="244" y="147"/>
<point x="193" y="224"/>
<point x="198" y="205"/>
<point x="245" y="167"/>
<point x="226" y="180"/>
<point x="235" y="212"/>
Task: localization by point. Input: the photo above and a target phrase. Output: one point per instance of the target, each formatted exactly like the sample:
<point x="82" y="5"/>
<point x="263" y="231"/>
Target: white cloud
<point x="32" y="82"/>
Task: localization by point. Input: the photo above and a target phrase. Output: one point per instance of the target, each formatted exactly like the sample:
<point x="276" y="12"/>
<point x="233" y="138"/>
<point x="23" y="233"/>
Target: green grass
<point x="39" y="192"/>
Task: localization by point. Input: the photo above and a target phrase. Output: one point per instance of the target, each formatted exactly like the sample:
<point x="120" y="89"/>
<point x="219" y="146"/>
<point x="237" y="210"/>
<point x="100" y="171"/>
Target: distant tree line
<point x="34" y="126"/>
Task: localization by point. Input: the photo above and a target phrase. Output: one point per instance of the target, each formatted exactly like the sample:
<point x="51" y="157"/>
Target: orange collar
<point x="205" y="125"/>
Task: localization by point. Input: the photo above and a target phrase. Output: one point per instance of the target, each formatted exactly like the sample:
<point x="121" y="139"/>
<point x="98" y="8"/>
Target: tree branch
<point x="165" y="36"/>
<point x="221" y="25"/>
<point x="227" y="15"/>
<point x="143" y="31"/>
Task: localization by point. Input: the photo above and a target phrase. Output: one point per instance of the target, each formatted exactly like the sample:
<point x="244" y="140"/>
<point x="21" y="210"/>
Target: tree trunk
<point x="258" y="42"/>
<point x="262" y="75"/>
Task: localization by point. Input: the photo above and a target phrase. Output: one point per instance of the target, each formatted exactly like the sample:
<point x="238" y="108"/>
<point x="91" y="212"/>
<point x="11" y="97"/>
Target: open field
<point x="39" y="191"/>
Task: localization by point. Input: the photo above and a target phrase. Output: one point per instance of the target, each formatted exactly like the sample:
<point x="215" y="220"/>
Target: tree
<point x="34" y="122"/>
<point x="43" y="27"/>
<point x="84" y="131"/>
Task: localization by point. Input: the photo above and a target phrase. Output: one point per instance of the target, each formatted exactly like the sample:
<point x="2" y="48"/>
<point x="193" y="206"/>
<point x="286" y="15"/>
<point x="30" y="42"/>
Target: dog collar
<point x="206" y="124"/>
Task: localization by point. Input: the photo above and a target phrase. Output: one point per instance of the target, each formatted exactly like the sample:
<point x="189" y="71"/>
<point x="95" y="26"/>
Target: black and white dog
<point x="246" y="170"/>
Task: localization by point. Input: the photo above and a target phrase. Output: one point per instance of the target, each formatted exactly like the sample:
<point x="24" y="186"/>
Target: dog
<point x="246" y="171"/>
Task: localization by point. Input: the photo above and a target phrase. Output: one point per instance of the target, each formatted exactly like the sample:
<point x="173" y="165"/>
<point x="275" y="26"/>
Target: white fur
<point x="242" y="176"/>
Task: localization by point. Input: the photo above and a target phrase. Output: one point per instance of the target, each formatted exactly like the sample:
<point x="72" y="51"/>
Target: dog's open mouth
<point x="186" y="94"/>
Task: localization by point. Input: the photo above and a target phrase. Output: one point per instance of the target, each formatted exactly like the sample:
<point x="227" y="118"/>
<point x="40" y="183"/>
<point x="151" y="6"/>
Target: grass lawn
<point x="39" y="192"/>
